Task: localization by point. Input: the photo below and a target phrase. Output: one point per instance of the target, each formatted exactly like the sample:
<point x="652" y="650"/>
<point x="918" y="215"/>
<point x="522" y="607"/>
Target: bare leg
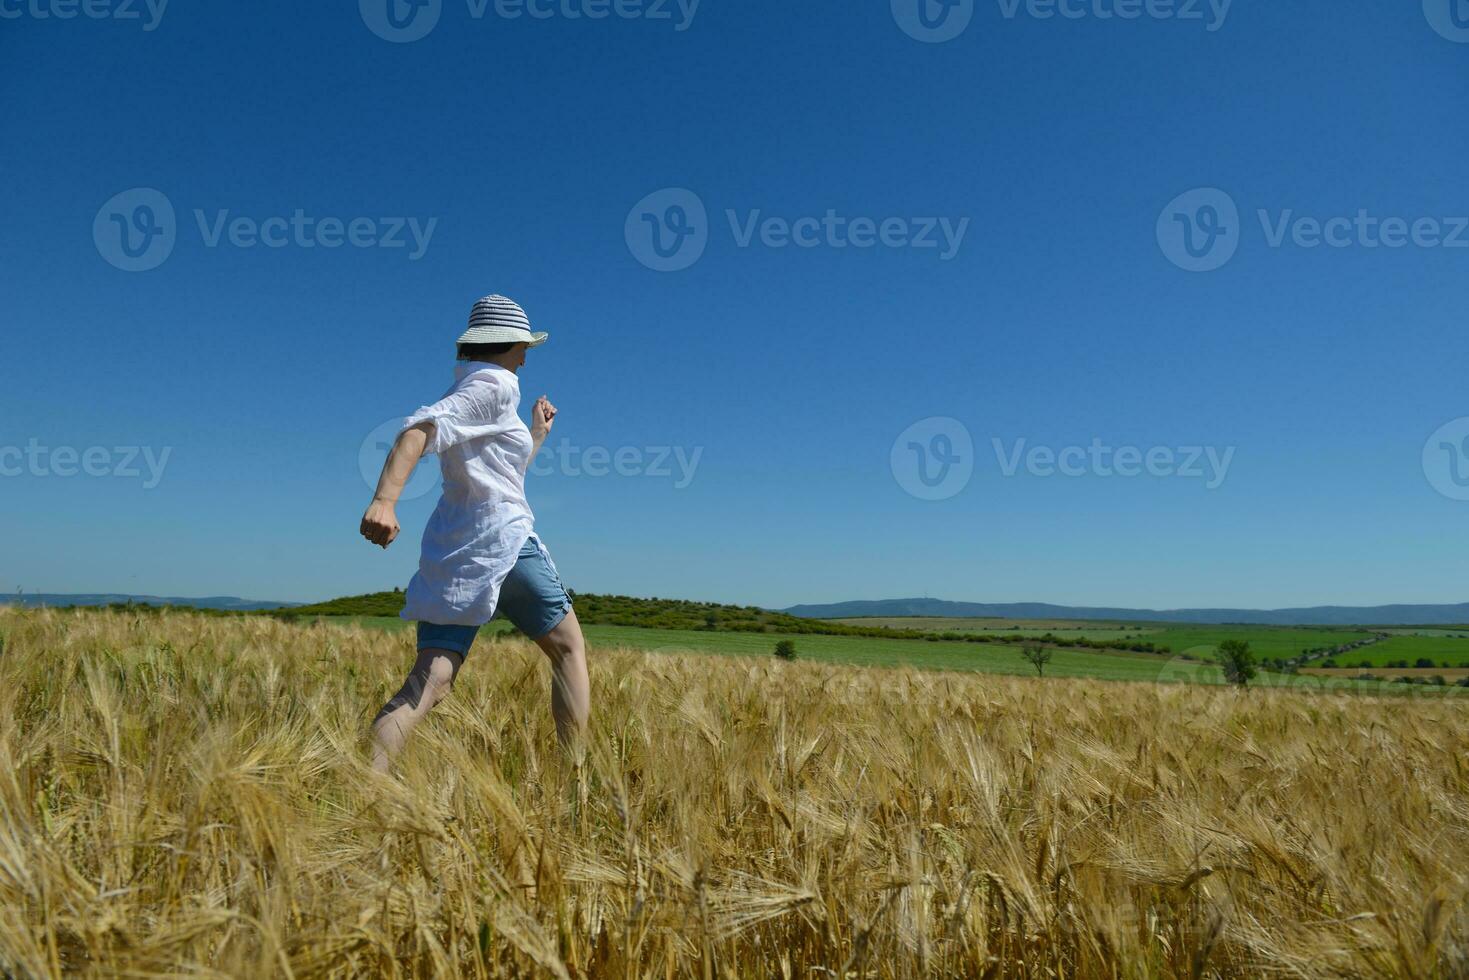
<point x="430" y="682"/>
<point x="571" y="690"/>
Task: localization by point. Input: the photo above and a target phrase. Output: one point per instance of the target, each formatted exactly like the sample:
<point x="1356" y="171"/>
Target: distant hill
<point x="1399" y="615"/>
<point x="616" y="610"/>
<point x="224" y="602"/>
<point x="713" y="617"/>
<point x="370" y="604"/>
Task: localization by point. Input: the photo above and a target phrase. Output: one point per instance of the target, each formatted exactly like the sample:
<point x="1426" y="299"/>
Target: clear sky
<point x="1101" y="278"/>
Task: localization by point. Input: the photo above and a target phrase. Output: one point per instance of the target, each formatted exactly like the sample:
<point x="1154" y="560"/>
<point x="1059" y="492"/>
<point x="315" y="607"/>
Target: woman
<point x="480" y="551"/>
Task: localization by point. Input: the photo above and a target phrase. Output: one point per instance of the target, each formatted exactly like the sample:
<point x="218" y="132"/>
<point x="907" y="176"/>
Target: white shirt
<point x="482" y="519"/>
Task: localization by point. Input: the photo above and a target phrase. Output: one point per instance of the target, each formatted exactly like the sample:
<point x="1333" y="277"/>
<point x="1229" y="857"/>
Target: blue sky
<point x="1081" y="155"/>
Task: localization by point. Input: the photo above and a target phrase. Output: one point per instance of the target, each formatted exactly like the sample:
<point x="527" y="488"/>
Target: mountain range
<point x="1394" y="615"/>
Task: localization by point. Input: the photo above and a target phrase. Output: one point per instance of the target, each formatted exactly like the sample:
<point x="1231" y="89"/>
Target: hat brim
<point x="500" y="335"/>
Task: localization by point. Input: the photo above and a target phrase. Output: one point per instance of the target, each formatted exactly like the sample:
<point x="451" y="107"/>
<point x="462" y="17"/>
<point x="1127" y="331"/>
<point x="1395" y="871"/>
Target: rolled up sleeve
<point x="471" y="412"/>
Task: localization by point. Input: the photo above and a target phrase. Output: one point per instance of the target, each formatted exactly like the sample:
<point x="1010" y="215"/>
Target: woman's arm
<point x="542" y="415"/>
<point x="380" y="523"/>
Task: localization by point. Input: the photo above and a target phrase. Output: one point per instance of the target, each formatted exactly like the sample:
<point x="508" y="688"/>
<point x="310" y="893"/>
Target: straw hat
<point x="499" y="320"/>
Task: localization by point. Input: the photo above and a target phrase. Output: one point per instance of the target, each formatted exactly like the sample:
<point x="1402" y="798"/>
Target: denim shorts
<point x="531" y="597"/>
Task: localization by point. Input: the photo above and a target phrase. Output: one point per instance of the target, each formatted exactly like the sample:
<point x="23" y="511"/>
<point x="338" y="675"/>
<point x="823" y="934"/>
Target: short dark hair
<point x="482" y="352"/>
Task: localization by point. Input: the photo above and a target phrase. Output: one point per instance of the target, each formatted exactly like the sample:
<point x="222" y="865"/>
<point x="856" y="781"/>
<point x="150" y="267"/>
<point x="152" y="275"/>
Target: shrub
<point x="786" y="649"/>
<point x="1038" y="656"/>
<point x="1238" y="661"/>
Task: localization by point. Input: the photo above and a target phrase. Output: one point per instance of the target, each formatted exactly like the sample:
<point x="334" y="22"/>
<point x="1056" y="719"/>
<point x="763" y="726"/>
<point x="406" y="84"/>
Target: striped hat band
<point x="499" y="320"/>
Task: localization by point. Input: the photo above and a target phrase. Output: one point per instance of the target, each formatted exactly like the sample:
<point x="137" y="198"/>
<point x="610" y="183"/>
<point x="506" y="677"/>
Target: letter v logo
<point x="401" y="21"/>
<point x="1450" y="18"/>
<point x="933" y="21"/>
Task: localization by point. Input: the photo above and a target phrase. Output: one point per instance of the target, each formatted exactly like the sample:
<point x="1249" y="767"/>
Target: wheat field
<point x="183" y="795"/>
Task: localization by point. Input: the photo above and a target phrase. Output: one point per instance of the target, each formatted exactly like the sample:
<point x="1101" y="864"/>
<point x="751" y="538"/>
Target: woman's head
<point x="496" y="326"/>
<point x="507" y="355"/>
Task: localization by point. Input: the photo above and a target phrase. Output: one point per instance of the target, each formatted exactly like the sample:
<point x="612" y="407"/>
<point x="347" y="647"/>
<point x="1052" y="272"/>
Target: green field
<point x="926" y="655"/>
<point x="1068" y="629"/>
<point x="1268" y="642"/>
<point x="1444" y="651"/>
<point x="1461" y="632"/>
<point x="863" y="651"/>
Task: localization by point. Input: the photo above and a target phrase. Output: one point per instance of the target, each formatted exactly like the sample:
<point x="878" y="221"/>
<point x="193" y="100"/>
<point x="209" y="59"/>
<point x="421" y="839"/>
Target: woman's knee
<point x="562" y="644"/>
<point x="430" y="681"/>
<point x="440" y="681"/>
